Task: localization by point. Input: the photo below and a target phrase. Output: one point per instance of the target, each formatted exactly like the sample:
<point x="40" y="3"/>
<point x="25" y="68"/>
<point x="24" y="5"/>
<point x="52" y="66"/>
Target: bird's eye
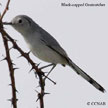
<point x="20" y="21"/>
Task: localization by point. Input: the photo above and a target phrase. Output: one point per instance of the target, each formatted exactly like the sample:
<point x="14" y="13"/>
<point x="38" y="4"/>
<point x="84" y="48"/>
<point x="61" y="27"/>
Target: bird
<point x="45" y="47"/>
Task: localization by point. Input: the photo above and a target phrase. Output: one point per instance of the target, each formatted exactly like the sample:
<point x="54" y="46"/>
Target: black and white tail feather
<point x="79" y="71"/>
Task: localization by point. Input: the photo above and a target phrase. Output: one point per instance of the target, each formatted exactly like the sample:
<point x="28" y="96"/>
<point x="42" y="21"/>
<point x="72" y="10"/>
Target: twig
<point x="5" y="10"/>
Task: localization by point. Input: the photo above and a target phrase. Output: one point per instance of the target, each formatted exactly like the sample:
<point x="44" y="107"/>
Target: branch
<point x="38" y="71"/>
<point x="8" y="59"/>
<point x="11" y="70"/>
<point x="5" y="10"/>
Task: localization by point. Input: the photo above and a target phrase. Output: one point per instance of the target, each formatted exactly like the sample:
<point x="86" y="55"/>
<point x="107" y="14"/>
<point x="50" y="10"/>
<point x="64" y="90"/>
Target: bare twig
<point x="5" y="10"/>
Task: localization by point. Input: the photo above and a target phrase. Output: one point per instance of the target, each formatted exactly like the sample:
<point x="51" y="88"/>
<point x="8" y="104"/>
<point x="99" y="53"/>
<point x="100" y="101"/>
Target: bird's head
<point x="21" y="23"/>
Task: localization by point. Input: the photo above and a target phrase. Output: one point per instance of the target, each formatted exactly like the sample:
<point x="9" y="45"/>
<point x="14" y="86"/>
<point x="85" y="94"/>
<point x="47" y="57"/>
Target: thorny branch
<point x="38" y="72"/>
<point x="11" y="70"/>
<point x="8" y="58"/>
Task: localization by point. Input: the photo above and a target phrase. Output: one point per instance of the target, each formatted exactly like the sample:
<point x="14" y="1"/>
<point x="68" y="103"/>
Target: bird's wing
<point x="52" y="43"/>
<point x="49" y="41"/>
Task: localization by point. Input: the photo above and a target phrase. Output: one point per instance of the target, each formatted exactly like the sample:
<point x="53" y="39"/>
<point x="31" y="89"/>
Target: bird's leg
<point x="47" y="66"/>
<point x="46" y="77"/>
<point x="54" y="65"/>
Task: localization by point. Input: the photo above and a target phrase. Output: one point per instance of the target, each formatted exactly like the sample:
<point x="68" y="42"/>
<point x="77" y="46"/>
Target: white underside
<point x="43" y="52"/>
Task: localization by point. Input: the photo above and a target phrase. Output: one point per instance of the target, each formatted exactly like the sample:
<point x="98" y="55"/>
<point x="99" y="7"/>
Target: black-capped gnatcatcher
<point x="45" y="47"/>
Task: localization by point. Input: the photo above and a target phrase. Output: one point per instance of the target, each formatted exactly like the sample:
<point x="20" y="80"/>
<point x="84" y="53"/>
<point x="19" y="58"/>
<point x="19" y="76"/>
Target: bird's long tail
<point x="79" y="71"/>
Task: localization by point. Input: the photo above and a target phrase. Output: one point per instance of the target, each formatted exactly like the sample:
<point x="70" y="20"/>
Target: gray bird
<point x="45" y="47"/>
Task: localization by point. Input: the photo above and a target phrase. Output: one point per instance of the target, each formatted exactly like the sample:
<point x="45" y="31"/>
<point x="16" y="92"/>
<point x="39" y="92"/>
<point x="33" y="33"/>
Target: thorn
<point x="31" y="69"/>
<point x="9" y="100"/>
<point x="15" y="68"/>
<point x="28" y="53"/>
<point x="10" y="48"/>
<point x="36" y="91"/>
<point x="46" y="72"/>
<point x="37" y="99"/>
<point x="46" y="93"/>
<point x="19" y="56"/>
<point x="16" y="91"/>
<point x="13" y="64"/>
<point x="10" y="84"/>
<point x="15" y="40"/>
<point x="38" y="64"/>
<point x="38" y="86"/>
<point x="3" y="59"/>
<point x="39" y="96"/>
<point x="11" y="61"/>
<point x="35" y="74"/>
<point x="16" y="99"/>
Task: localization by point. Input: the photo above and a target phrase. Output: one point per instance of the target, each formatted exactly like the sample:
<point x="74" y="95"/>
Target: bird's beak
<point x="7" y="23"/>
